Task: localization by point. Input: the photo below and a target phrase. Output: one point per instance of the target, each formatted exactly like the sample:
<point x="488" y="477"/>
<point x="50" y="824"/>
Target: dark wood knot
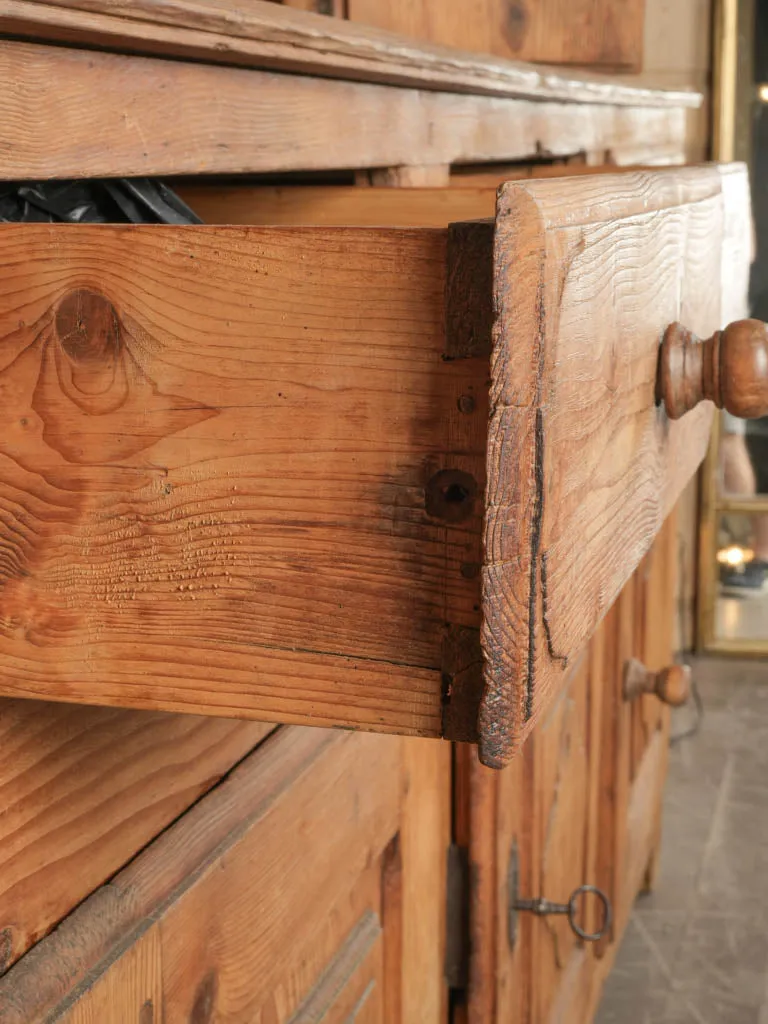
<point x="516" y="24"/>
<point x="88" y="328"/>
<point x="729" y="369"/>
<point x="204" y="1006"/>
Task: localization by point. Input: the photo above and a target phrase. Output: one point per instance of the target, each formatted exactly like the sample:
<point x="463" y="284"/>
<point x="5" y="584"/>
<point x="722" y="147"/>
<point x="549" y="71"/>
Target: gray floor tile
<point x="696" y="949"/>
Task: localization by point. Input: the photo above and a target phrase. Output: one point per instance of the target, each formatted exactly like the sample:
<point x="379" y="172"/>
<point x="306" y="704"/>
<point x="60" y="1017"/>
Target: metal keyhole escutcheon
<point x="543" y="907"/>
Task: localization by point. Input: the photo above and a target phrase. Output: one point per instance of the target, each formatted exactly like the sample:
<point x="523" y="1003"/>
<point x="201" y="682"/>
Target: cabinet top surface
<point x="265" y="35"/>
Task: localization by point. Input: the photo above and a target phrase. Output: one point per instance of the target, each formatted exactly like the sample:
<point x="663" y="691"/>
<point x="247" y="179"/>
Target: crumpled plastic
<point x="97" y="201"/>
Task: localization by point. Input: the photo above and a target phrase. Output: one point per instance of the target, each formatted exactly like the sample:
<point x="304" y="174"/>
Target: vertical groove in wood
<point x="484" y="891"/>
<point x="425" y="834"/>
<point x="392" y="921"/>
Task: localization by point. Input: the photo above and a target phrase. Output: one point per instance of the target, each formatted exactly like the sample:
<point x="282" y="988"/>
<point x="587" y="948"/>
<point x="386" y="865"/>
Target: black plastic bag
<point x="104" y="201"/>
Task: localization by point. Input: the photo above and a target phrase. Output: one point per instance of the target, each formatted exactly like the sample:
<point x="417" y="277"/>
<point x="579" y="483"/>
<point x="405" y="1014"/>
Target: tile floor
<point x="696" y="949"/>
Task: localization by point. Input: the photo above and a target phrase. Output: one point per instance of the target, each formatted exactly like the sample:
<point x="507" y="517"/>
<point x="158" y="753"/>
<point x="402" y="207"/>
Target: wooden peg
<point x="671" y="685"/>
<point x="730" y="369"/>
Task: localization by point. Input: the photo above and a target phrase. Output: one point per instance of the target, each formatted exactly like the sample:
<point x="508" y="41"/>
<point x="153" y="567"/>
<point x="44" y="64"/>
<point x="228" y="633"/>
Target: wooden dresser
<point x="337" y="536"/>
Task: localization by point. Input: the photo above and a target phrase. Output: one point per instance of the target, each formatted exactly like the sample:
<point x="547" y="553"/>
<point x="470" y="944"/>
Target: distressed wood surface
<point x="259" y="34"/>
<point x="126" y="417"/>
<point x="283" y="895"/>
<point x="596" y="33"/>
<point x="104" y="114"/>
<point x="82" y="790"/>
<point x="223" y="471"/>
<point x="580" y="804"/>
<point x="582" y="466"/>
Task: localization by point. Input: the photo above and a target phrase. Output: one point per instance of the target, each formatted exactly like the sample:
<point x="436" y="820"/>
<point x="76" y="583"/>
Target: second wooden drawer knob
<point x="671" y="685"/>
<point x="730" y="369"/>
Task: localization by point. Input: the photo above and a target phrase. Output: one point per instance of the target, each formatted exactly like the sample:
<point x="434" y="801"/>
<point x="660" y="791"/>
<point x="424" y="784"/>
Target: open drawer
<point x="378" y="477"/>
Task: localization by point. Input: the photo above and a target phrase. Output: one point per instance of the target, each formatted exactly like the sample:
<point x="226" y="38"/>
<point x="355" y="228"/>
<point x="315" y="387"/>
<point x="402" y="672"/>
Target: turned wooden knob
<point x="730" y="369"/>
<point x="672" y="684"/>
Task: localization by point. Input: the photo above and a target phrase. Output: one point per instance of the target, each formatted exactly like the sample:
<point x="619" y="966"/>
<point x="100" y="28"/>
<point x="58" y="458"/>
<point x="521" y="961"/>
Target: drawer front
<point x="583" y="466"/>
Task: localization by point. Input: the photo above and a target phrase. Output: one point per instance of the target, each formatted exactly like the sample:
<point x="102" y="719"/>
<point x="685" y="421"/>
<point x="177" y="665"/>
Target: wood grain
<point x="106" y="115"/>
<point x="263" y="35"/>
<point x="337" y="205"/>
<point x="135" y="994"/>
<point x="597" y="33"/>
<point x="196" y="438"/>
<point x="126" y="417"/>
<point x="558" y="810"/>
<point x="83" y="790"/>
<point x="578" y="452"/>
<point x="268" y="901"/>
<point x="425" y="834"/>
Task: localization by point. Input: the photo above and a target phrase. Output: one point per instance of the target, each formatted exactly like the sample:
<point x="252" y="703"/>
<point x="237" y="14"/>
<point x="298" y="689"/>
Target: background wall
<point x="677" y="52"/>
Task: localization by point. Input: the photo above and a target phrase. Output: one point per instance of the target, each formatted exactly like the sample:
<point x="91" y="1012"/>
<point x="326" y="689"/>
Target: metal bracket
<point x="543" y="907"/>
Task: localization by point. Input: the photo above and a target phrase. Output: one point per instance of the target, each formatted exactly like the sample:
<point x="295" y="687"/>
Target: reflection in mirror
<point x="743" y="457"/>
<point x="741" y="610"/>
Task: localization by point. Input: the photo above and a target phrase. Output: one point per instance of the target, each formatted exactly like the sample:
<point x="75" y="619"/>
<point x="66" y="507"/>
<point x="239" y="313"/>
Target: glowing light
<point x="735" y="555"/>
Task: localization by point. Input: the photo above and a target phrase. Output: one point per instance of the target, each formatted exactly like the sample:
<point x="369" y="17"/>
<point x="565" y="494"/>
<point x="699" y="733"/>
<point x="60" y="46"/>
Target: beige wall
<point x="677" y="53"/>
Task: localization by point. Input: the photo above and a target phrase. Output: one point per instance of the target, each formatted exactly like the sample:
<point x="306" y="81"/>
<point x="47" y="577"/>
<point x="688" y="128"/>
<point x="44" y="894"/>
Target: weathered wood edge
<point x="51" y="977"/>
<point x="76" y="113"/>
<point x="514" y="575"/>
<point x="264" y="35"/>
<point x="626" y="193"/>
<point x="513" y="505"/>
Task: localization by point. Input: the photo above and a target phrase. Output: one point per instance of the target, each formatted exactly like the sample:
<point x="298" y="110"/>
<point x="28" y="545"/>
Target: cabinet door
<point x="580" y="805"/>
<point x="532" y="830"/>
<point x="381" y="477"/>
<point x="308" y="885"/>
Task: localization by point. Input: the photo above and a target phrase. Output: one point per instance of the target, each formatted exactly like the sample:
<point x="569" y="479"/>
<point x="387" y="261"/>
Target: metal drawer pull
<point x="543" y="907"/>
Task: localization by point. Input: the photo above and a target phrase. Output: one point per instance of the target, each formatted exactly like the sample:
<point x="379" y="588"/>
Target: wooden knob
<point x="730" y="369"/>
<point x="671" y="685"/>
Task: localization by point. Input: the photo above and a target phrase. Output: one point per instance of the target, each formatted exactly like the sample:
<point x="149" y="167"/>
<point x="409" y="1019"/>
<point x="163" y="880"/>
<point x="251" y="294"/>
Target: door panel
<point x="286" y="894"/>
<point x="83" y="789"/>
<point x="260" y="471"/>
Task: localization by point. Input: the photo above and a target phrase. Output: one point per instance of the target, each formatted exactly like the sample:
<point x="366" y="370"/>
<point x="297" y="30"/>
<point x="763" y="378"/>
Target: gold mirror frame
<point x="732" y="99"/>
